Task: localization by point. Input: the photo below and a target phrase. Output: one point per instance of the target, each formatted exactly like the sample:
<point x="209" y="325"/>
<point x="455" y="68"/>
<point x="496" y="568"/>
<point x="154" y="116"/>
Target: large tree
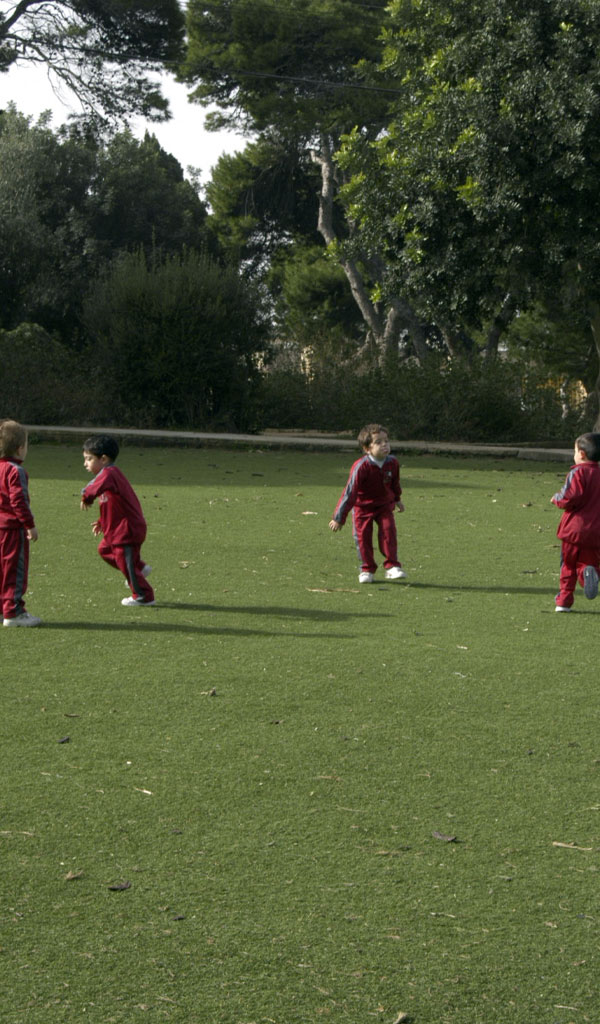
<point x="104" y="51"/>
<point x="300" y="74"/>
<point x="484" y="189"/>
<point x="70" y="202"/>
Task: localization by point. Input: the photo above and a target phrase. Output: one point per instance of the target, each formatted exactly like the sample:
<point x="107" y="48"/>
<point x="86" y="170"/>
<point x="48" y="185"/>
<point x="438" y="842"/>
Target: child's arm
<point x="346" y="502"/>
<point x="571" y="495"/>
<point x="18" y="497"/>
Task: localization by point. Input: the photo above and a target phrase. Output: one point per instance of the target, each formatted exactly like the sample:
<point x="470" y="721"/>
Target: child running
<point x="121" y="521"/>
<point x="17" y="526"/>
<point x="372" y="492"/>
<point x="579" y="527"/>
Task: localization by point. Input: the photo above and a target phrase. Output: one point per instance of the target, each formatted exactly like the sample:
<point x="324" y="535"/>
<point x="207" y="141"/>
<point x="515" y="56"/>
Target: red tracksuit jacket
<point x="371" y="488"/>
<point x="121" y="518"/>
<point x="15" y="512"/>
<point x="580" y="499"/>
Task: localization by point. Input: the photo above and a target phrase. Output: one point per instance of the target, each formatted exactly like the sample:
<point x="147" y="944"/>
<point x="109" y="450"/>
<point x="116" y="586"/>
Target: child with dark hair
<point x="17" y="526"/>
<point x="121" y="523"/>
<point x="579" y="527"/>
<point x="372" y="493"/>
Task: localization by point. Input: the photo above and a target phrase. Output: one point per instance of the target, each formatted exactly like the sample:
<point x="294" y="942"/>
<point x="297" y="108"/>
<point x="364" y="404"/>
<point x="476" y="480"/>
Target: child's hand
<point x="83" y="506"/>
<point x="399" y="506"/>
<point x="32" y="533"/>
<point x="334" y="525"/>
<point x="96" y="528"/>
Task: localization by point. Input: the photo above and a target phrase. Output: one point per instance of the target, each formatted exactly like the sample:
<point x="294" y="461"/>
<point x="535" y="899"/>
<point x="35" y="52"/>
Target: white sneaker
<point x="561" y="608"/>
<point x="365" y="577"/>
<point x="131" y="602"/>
<point x="395" y="573"/>
<point x="24" y="619"/>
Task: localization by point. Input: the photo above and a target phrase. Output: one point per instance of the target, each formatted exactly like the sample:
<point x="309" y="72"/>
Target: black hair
<point x="589" y="444"/>
<point x="102" y="444"/>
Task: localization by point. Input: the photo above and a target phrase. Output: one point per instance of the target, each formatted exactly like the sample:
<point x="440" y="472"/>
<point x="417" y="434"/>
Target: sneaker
<point x="561" y="608"/>
<point x="365" y="577"/>
<point x="130" y="602"/>
<point x="24" y="619"/>
<point x="395" y="573"/>
<point x="590" y="582"/>
<point x="145" y="572"/>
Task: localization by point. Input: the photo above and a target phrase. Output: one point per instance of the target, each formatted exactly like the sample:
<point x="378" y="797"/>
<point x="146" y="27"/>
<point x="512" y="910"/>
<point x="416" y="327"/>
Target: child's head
<point x="13" y="440"/>
<point x="588" y="447"/>
<point x="102" y="444"/>
<point x="369" y="433"/>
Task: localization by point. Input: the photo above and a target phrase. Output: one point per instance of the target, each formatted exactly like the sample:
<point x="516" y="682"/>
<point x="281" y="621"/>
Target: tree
<point x="69" y="202"/>
<point x="483" y="190"/>
<point x="104" y="51"/>
<point x="139" y="196"/>
<point x="300" y="73"/>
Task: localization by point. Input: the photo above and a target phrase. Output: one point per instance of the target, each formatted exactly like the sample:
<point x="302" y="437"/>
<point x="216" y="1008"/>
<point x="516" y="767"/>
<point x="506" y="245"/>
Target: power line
<point x="313" y="81"/>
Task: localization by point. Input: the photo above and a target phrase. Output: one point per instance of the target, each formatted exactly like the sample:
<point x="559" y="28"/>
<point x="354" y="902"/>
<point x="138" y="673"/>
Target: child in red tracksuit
<point x="579" y="527"/>
<point x="17" y="526"/>
<point x="121" y="521"/>
<point x="372" y="492"/>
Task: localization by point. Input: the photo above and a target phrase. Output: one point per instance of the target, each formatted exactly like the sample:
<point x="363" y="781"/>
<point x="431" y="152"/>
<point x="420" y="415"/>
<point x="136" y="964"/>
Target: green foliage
<point x="262" y="200"/>
<point x="486" y="179"/>
<point x="177" y="339"/>
<point x="439" y="401"/>
<point x="42" y="381"/>
<point x="278" y="836"/>
<point x="69" y="202"/>
<point x="293" y="66"/>
<point x="140" y="197"/>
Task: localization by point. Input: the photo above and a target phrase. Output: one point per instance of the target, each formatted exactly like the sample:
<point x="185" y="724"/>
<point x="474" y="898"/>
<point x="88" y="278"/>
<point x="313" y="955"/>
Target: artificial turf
<point x="282" y="797"/>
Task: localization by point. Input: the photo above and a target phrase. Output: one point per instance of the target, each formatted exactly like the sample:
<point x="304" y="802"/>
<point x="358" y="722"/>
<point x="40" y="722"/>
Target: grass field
<point x="264" y="758"/>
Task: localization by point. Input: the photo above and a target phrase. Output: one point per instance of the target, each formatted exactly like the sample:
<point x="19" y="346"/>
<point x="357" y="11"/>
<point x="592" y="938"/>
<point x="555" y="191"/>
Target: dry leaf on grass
<point x="444" y="838"/>
<point x="72" y="876"/>
<point x="120" y="886"/>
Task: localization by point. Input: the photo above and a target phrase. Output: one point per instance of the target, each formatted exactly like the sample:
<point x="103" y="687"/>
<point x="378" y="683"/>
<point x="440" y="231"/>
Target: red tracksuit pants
<point x="573" y="560"/>
<point x="127" y="559"/>
<point x="14" y="569"/>
<point x="362" y="531"/>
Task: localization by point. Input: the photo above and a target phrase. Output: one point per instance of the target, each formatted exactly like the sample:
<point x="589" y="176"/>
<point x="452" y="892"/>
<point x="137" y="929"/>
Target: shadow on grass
<point x="186" y="627"/>
<point x="483" y="588"/>
<point x="213" y="630"/>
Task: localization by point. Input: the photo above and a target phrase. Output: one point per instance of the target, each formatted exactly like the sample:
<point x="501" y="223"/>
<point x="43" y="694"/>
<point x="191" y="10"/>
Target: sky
<point x="183" y="136"/>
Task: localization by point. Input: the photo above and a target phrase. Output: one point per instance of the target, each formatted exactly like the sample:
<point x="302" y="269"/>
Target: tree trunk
<point x="385" y="330"/>
<point x="501" y="322"/>
<point x="594" y="313"/>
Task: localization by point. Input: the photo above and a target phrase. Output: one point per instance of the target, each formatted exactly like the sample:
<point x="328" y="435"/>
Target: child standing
<point x="579" y="527"/>
<point x="121" y="521"/>
<point x="372" y="492"/>
<point x="17" y="526"/>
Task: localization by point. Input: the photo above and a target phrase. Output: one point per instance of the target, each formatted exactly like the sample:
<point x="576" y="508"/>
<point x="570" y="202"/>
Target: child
<point x="579" y="527"/>
<point x="17" y="526"/>
<point x="372" y="492"/>
<point x="121" y="519"/>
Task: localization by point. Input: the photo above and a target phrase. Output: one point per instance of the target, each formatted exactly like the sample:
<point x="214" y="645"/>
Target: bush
<point x="179" y="340"/>
<point x="496" y="402"/>
<point x="42" y="381"/>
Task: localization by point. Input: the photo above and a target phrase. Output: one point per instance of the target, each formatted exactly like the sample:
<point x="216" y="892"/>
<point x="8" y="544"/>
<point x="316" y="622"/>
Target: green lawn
<point x="266" y="755"/>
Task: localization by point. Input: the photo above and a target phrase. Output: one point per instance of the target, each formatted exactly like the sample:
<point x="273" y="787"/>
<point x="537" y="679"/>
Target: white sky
<point x="183" y="136"/>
